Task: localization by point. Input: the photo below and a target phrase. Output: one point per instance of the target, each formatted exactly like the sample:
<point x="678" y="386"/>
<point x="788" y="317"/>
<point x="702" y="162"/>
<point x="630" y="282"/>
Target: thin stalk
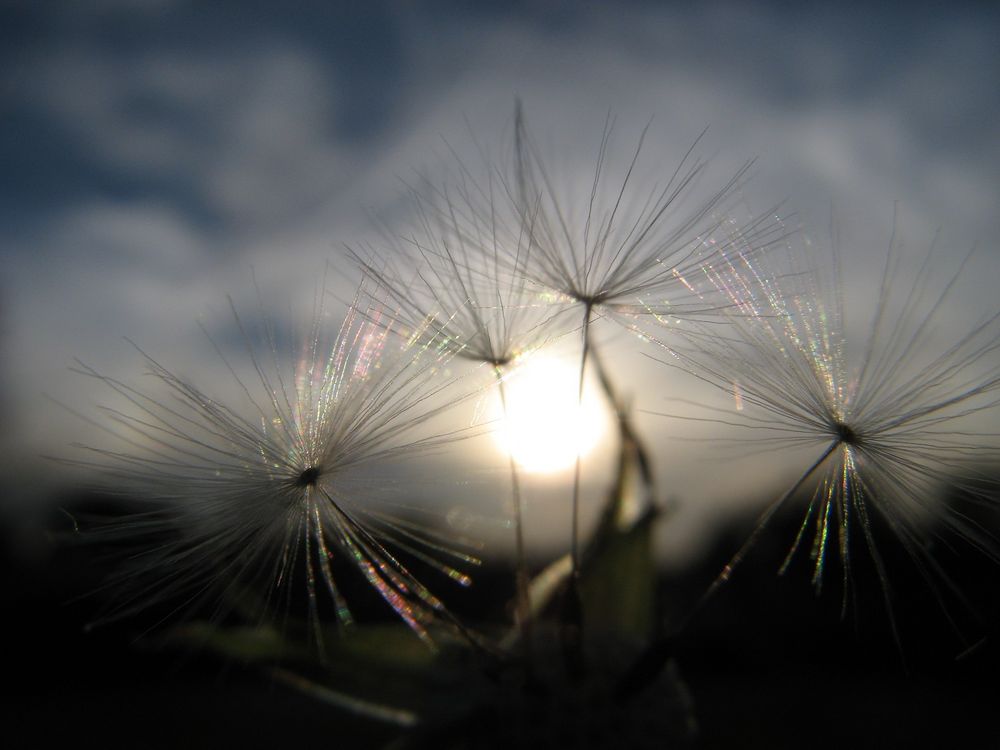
<point x="521" y="580"/>
<point x="626" y="430"/>
<point x="574" y="548"/>
<point x="572" y="616"/>
<point x="649" y="663"/>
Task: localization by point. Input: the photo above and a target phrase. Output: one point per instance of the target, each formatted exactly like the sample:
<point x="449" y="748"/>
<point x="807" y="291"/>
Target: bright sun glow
<point x="545" y="427"/>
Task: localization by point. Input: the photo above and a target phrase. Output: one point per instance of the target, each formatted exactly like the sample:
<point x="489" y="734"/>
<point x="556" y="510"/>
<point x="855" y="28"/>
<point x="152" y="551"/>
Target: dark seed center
<point x="845" y="433"/>
<point x="308" y="477"/>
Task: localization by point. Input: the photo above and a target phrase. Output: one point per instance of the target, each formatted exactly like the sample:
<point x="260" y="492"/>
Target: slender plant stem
<point x="626" y="430"/>
<point x="572" y="614"/>
<point x="521" y="580"/>
<point x="574" y="547"/>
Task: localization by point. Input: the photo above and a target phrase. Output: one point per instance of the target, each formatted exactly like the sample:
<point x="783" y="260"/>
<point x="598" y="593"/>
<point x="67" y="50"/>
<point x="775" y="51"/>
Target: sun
<point x="545" y="426"/>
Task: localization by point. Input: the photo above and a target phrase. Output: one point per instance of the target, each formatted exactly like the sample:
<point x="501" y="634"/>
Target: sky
<point x="155" y="151"/>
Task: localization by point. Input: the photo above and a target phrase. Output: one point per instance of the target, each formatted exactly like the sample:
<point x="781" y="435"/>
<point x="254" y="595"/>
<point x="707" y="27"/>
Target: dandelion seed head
<point x="256" y="507"/>
<point x="635" y="240"/>
<point x="845" y="434"/>
<point x="455" y="274"/>
<point x="892" y="418"/>
<point x="309" y="477"/>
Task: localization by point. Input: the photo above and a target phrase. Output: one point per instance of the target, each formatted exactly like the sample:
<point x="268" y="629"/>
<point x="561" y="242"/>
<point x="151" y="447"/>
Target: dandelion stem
<point x="626" y="430"/>
<point x="572" y="634"/>
<point x="574" y="549"/>
<point x="522" y="583"/>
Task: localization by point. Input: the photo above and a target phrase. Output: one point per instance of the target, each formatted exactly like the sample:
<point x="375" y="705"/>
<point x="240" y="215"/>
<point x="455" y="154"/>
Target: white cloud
<point x="246" y="133"/>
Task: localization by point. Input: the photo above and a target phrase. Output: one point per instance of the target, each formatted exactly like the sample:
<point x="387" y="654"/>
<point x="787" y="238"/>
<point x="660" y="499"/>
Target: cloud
<point x="247" y="137"/>
<point x="157" y="153"/>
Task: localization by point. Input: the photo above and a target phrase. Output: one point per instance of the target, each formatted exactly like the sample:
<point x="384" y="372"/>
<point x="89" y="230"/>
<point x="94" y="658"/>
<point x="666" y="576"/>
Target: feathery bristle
<point x="246" y="508"/>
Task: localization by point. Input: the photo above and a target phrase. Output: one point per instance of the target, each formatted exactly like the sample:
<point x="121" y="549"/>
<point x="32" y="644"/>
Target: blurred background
<point x="155" y="151"/>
